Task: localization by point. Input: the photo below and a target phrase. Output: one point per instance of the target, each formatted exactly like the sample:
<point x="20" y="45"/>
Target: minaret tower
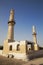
<point x="34" y="38"/>
<point x="34" y="35"/>
<point x="10" y="36"/>
<point x="11" y="24"/>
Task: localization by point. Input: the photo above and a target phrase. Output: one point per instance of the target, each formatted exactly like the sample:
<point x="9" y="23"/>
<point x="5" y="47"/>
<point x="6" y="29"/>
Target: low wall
<point x="22" y="56"/>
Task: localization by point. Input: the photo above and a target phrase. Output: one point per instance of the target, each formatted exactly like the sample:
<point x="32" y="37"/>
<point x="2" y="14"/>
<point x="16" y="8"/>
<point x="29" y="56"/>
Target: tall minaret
<point x="34" y="35"/>
<point x="11" y="24"/>
<point x="34" y="38"/>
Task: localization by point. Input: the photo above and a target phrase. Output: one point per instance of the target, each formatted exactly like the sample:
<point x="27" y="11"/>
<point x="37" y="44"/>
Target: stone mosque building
<point x="19" y="49"/>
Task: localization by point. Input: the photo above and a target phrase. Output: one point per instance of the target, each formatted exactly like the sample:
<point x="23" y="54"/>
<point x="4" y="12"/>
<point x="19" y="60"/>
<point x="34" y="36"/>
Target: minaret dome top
<point x="34" y="29"/>
<point x="11" y="17"/>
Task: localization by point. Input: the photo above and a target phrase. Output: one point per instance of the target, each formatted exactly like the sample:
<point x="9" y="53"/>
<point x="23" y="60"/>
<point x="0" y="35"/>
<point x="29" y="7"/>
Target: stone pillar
<point x="34" y="38"/>
<point x="11" y="24"/>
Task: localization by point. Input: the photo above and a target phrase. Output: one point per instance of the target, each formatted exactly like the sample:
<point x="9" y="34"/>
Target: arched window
<point x="18" y="47"/>
<point x="10" y="47"/>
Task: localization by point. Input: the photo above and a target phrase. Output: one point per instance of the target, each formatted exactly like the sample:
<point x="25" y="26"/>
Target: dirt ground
<point x="10" y="61"/>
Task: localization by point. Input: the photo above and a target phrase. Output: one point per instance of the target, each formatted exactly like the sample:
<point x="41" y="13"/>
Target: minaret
<point x="10" y="36"/>
<point x="34" y="38"/>
<point x="11" y="24"/>
<point x="34" y="35"/>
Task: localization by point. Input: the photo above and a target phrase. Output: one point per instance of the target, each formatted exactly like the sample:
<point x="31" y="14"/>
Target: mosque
<point x="19" y="49"/>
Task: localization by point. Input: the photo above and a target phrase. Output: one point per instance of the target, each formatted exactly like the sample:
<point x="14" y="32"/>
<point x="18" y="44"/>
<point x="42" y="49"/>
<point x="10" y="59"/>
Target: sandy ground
<point x="10" y="61"/>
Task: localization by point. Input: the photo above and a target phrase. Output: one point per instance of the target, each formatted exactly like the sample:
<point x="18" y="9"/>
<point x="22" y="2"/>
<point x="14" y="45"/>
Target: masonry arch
<point x="18" y="47"/>
<point x="10" y="48"/>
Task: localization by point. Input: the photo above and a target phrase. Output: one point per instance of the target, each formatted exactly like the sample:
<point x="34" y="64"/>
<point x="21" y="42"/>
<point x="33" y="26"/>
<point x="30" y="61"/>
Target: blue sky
<point x="27" y="14"/>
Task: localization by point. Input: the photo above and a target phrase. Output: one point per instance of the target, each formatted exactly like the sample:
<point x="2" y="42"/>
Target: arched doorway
<point x="10" y="48"/>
